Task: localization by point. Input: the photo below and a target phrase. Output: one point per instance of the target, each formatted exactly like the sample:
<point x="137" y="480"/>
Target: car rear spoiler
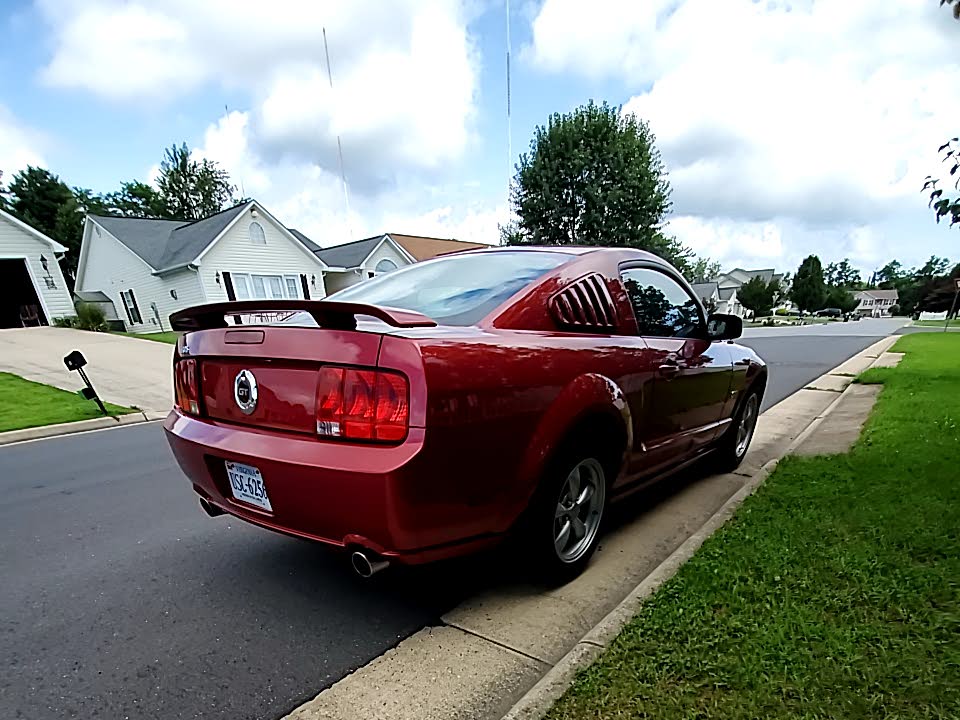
<point x="328" y="314"/>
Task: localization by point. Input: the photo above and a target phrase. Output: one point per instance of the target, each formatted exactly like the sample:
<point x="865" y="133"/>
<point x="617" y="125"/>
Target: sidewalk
<point x="124" y="370"/>
<point x="494" y="647"/>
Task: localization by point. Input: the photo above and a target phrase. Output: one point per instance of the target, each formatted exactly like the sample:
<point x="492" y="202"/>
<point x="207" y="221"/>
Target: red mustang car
<point x="437" y="409"/>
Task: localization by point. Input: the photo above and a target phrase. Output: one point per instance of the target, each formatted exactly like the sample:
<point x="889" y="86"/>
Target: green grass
<point x="833" y="593"/>
<point x="25" y="404"/>
<point x="164" y="337"/>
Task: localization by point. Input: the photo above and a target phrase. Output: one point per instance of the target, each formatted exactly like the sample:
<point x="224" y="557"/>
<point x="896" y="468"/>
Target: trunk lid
<point x="281" y="363"/>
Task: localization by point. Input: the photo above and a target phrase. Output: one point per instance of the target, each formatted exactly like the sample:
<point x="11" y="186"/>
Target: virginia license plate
<point x="246" y="483"/>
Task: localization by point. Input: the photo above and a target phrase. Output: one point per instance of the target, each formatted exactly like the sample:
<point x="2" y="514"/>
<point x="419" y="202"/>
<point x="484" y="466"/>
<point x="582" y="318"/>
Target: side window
<point x="661" y="305"/>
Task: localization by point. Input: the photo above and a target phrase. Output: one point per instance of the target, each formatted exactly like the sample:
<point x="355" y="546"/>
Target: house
<point x="709" y="294"/>
<point x="729" y="283"/>
<point x="151" y="268"/>
<point x="32" y="288"/>
<point x="876" y="303"/>
<point x="352" y="262"/>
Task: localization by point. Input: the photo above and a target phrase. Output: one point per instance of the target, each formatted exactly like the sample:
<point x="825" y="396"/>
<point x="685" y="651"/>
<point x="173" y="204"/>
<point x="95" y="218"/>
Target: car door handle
<point x="670" y="368"/>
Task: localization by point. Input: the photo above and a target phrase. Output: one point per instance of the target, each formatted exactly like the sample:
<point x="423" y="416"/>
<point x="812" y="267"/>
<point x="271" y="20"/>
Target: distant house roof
<point x="705" y="290"/>
<point x="739" y="276"/>
<point x="95" y="296"/>
<point x="305" y="240"/>
<point x="727" y="293"/>
<point x="166" y="244"/>
<point x="881" y="294"/>
<point x="352" y="254"/>
<point x="424" y="248"/>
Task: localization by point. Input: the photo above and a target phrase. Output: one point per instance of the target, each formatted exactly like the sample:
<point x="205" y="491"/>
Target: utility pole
<point x="343" y="177"/>
<point x="953" y="307"/>
<point x="509" y="120"/>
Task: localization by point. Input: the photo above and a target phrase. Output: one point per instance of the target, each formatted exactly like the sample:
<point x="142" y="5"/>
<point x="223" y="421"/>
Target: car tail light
<point x="185" y="386"/>
<point x="362" y="404"/>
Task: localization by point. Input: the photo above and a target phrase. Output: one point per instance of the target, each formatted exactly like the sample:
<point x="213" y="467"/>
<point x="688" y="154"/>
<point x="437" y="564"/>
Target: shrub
<point x="91" y="317"/>
<point x="68" y="321"/>
<point x="895" y="310"/>
<point x="781" y="311"/>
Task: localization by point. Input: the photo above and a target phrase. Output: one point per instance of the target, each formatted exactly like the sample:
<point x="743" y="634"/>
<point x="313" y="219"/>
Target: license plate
<point x="246" y="482"/>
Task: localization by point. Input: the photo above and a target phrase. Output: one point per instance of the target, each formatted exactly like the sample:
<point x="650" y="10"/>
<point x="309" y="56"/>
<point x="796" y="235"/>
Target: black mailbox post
<point x="76" y="361"/>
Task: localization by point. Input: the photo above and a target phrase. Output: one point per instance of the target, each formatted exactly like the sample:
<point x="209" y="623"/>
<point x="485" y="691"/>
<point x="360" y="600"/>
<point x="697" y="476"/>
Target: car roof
<point x="568" y="249"/>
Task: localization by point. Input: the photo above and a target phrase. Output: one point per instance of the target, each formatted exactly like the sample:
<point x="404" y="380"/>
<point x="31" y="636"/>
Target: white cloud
<point x="19" y="145"/>
<point x="405" y="72"/>
<point x="803" y="125"/>
<point x="311" y="199"/>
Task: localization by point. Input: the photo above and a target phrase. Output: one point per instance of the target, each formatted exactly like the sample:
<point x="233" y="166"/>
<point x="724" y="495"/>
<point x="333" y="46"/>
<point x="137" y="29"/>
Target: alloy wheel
<point x="579" y="510"/>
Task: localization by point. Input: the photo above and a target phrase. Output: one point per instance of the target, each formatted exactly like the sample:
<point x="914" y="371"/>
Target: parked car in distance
<point x="829" y="312"/>
<point x="444" y="407"/>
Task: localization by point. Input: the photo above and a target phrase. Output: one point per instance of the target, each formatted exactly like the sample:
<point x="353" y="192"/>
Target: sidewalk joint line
<point x="500" y="644"/>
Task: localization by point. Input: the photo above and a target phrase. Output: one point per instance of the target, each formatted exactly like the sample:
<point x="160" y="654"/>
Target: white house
<point x="876" y="303"/>
<point x="152" y="268"/>
<point x="362" y="259"/>
<point x="729" y="283"/>
<point x="32" y="288"/>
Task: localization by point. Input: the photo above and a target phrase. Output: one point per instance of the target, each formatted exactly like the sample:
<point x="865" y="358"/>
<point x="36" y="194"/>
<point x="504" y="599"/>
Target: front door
<point x="680" y="411"/>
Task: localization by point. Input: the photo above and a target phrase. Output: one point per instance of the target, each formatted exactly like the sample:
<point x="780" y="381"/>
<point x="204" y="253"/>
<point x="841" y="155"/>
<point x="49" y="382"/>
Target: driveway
<point x="124" y="370"/>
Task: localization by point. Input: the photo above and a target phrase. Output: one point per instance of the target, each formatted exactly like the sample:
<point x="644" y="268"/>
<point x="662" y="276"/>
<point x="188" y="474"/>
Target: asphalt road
<point x="120" y="599"/>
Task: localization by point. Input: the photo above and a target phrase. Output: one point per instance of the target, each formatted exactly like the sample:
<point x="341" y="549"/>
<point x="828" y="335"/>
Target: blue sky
<point x="787" y="126"/>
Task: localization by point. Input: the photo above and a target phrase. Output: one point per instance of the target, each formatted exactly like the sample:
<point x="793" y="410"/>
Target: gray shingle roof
<point x="705" y="290"/>
<point x="351" y="254"/>
<point x="164" y="244"/>
<point x="311" y="245"/>
<point x="727" y="293"/>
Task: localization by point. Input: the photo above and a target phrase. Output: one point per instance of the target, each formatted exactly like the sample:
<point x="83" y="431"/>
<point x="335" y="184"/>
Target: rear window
<point x="458" y="289"/>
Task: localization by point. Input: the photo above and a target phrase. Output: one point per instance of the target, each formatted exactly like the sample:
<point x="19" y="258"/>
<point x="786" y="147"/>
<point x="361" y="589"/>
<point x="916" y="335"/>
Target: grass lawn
<point x="833" y="593"/>
<point x="26" y="404"/>
<point x="164" y="337"/>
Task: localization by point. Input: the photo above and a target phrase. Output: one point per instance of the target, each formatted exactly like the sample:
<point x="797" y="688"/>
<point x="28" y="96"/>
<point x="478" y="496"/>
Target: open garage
<point x="33" y="291"/>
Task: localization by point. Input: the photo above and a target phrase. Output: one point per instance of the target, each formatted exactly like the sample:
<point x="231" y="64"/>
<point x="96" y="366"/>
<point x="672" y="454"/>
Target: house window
<point x="386" y="265"/>
<point x="257" y="236"/>
<point x="130" y="305"/>
<point x="266" y="287"/>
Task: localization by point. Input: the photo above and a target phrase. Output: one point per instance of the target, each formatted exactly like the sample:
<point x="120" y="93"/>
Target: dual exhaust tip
<point x="366" y="564"/>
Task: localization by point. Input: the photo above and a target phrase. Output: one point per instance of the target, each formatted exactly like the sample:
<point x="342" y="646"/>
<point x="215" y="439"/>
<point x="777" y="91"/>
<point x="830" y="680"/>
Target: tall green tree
<point x="808" y="291"/>
<point x="4" y="195"/>
<point x="758" y="295"/>
<point x="135" y="199"/>
<point x="36" y="196"/>
<point x="69" y="227"/>
<point x="842" y="274"/>
<point x="703" y="270"/>
<point x="192" y="189"/>
<point x="592" y="177"/>
<point x="889" y="274"/>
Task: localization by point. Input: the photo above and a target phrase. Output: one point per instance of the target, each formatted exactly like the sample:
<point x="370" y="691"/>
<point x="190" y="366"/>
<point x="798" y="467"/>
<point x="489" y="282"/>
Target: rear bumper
<point x="340" y="494"/>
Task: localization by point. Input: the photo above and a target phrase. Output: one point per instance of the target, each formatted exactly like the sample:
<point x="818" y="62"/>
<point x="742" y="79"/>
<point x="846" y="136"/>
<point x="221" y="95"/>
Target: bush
<point x="68" y="321"/>
<point x="91" y="317"/>
<point x="895" y="310"/>
<point x="781" y="311"/>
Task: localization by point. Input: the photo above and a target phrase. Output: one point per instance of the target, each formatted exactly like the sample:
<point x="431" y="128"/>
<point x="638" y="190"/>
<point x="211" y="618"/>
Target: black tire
<point x="731" y="450"/>
<point x="541" y="524"/>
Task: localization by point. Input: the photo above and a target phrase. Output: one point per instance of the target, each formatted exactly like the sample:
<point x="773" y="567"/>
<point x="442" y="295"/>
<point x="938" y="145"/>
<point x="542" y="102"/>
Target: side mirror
<point x="724" y="327"/>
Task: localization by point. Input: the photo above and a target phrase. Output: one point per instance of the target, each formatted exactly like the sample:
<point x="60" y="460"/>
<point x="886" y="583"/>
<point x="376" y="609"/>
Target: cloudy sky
<point x="788" y="127"/>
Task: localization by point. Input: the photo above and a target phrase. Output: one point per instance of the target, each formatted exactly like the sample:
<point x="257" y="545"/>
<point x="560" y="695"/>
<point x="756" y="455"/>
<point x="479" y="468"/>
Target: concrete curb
<point x="538" y="701"/>
<point x="80" y="426"/>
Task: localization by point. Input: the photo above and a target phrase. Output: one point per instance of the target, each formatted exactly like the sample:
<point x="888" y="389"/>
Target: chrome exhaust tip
<point x="367" y="566"/>
<point x="209" y="508"/>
